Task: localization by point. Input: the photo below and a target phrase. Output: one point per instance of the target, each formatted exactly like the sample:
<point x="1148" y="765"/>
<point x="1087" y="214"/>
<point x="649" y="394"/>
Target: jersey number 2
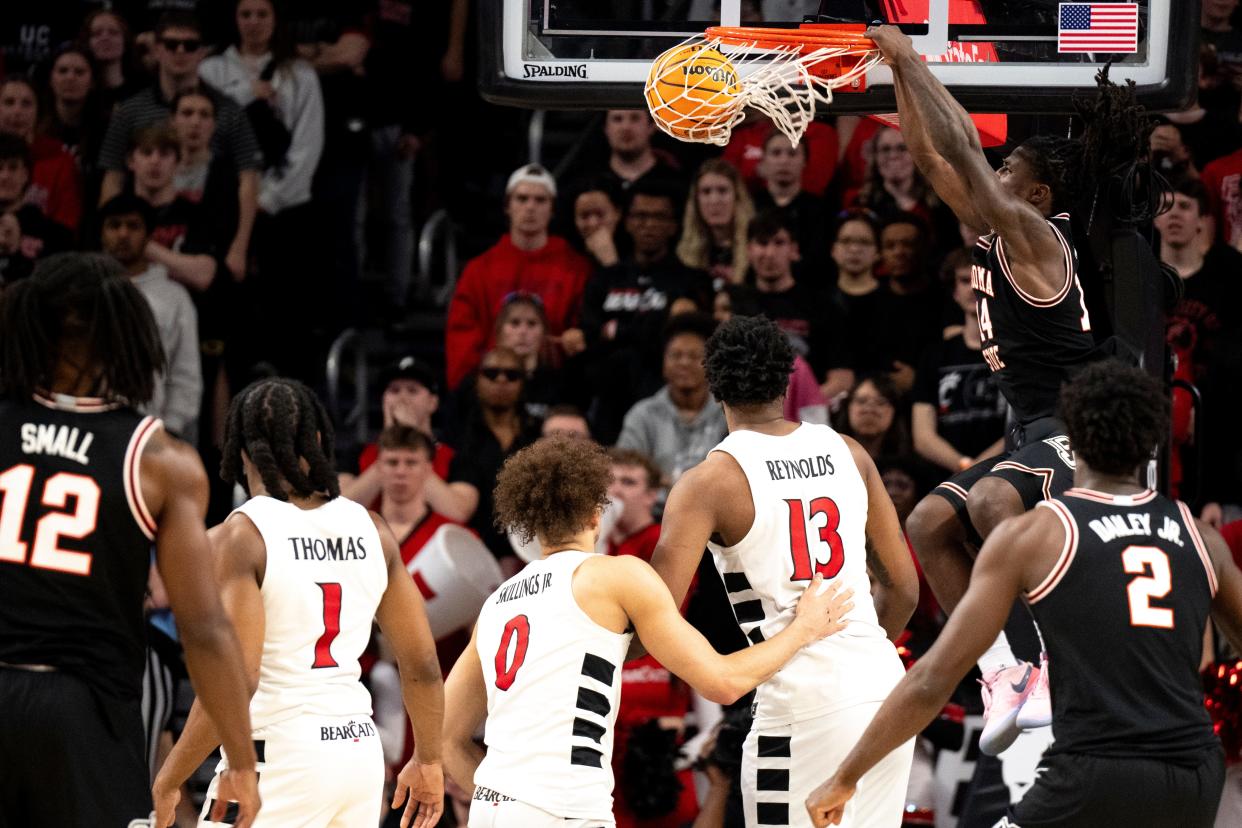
<point x="801" y="550"/>
<point x="15" y="486"/>
<point x="1154" y="581"/>
<point x="506" y="671"/>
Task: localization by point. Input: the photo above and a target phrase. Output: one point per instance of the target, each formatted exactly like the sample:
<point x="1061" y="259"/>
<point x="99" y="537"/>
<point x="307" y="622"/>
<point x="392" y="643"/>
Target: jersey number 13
<point x="804" y="569"/>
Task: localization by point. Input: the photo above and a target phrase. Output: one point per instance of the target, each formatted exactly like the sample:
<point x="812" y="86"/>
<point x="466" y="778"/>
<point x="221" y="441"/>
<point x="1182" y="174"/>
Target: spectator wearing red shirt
<point x="403" y="467"/>
<point x="411" y="398"/>
<point x="1202" y="331"/>
<point x="1221" y="178"/>
<point x="55" y="183"/>
<point x="746" y="151"/>
<point x="527" y="259"/>
<point x="648" y="691"/>
<point x="37" y="235"/>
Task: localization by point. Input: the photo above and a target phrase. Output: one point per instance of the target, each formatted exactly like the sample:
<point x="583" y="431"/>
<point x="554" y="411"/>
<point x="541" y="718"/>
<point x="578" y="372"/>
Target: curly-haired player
<point x="779" y="503"/>
<point x="1122" y="581"/>
<point x="544" y="665"/>
<point x="304" y="573"/>
<point x="1033" y="323"/>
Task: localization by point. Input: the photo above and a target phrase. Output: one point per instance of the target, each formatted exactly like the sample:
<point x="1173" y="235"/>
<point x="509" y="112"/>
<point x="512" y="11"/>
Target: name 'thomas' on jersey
<point x="324" y="580"/>
<point x="810" y="517"/>
<point x="1032" y="345"/>
<point x="553" y="679"/>
<point x="1123" y="613"/>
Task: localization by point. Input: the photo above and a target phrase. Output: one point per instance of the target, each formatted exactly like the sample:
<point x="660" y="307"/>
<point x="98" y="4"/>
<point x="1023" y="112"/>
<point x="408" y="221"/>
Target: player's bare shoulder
<point x="170" y="467"/>
<point x="718" y="476"/>
<point x="862" y="460"/>
<point x="240" y="541"/>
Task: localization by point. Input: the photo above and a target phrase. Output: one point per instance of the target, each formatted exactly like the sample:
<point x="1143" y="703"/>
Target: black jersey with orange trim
<point x="75" y="539"/>
<point x="1122" y="615"/>
<point x="1032" y="345"/>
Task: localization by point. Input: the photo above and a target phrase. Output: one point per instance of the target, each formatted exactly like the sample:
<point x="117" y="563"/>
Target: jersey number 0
<point x="803" y="570"/>
<point x="506" y="671"/>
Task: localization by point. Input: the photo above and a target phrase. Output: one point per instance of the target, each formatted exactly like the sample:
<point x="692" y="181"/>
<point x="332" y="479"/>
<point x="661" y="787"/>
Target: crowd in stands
<point x="248" y="163"/>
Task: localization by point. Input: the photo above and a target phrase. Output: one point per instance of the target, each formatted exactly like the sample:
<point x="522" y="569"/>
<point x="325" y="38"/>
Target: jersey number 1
<point x="802" y="565"/>
<point x="331" y="626"/>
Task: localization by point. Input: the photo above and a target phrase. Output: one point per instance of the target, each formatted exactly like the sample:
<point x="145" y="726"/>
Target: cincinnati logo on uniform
<point x="353" y="731"/>
<point x="717" y="74"/>
<point x="483" y="794"/>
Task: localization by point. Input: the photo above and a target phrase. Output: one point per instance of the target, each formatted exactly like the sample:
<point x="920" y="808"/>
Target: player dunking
<point x="303" y="573"/>
<point x="780" y="502"/>
<point x="544" y="665"/>
<point x="1122" y="580"/>
<point x="86" y="486"/>
<point x="1034" y="327"/>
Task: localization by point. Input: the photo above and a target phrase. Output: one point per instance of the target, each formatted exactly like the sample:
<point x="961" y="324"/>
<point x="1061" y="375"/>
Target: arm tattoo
<point x="876" y="567"/>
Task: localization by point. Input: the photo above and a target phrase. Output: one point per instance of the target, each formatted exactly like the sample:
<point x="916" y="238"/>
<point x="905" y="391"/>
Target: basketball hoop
<point x="699" y="89"/>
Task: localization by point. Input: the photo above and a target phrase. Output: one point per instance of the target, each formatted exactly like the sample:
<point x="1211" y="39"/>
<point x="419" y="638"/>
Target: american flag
<point x="1098" y="27"/>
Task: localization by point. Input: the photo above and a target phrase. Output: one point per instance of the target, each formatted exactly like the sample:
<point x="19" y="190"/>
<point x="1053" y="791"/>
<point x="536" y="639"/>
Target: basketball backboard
<point x="994" y="55"/>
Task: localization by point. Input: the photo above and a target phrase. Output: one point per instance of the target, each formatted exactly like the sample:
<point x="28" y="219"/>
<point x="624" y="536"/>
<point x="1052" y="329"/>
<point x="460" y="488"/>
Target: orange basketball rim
<point x="787" y="74"/>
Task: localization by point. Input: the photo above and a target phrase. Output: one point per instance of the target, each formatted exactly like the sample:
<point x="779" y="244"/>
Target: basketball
<point x="692" y="88"/>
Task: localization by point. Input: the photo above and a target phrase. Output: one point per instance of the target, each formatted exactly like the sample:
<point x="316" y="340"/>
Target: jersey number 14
<point x="804" y="569"/>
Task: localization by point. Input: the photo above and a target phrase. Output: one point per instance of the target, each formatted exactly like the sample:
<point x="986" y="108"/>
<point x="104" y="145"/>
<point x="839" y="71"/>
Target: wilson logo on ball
<point x="717" y="74"/>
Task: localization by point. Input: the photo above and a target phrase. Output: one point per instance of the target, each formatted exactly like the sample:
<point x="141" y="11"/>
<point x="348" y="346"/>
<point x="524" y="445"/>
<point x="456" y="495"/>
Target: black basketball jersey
<point x="1122" y="616"/>
<point x="75" y="539"/>
<point x="1032" y="345"/>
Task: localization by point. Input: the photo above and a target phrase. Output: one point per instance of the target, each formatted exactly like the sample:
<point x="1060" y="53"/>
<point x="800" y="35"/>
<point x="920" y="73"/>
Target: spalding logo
<point x="556" y="70"/>
<point x="719" y="74"/>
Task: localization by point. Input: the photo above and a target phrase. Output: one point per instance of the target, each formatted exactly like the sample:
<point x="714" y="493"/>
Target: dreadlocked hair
<point x="1111" y="159"/>
<point x="280" y="422"/>
<point x="81" y="300"/>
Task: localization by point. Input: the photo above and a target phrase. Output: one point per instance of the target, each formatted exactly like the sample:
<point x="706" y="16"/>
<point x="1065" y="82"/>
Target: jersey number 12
<point x="15" y="486"/>
<point x="803" y="568"/>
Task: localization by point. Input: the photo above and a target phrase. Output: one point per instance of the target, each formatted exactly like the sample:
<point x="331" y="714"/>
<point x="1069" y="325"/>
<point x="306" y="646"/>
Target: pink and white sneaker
<point x="1004" y="690"/>
<point x="1036" y="710"/>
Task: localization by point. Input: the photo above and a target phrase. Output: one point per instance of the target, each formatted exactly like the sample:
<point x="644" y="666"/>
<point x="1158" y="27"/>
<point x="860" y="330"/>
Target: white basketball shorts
<point x="782" y="765"/>
<point x="491" y="809"/>
<point x="314" y="772"/>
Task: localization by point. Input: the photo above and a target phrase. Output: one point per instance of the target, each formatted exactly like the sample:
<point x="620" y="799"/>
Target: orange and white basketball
<point x="691" y="89"/>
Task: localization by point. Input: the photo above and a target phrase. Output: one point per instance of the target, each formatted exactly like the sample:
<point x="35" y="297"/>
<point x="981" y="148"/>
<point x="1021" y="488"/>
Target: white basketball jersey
<point x="553" y="681"/>
<point x="810" y="515"/>
<point x="324" y="580"/>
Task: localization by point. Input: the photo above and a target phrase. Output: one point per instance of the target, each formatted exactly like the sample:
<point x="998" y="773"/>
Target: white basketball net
<point x="776" y="80"/>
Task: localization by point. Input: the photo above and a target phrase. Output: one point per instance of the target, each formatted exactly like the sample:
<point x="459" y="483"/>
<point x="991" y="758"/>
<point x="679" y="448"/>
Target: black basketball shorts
<point x="1039" y="465"/>
<point x="65" y="764"/>
<point x="1076" y="791"/>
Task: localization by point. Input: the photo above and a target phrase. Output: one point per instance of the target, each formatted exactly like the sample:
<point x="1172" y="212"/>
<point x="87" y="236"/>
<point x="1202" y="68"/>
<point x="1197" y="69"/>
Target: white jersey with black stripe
<point x="553" y="679"/>
<point x="810" y="516"/>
